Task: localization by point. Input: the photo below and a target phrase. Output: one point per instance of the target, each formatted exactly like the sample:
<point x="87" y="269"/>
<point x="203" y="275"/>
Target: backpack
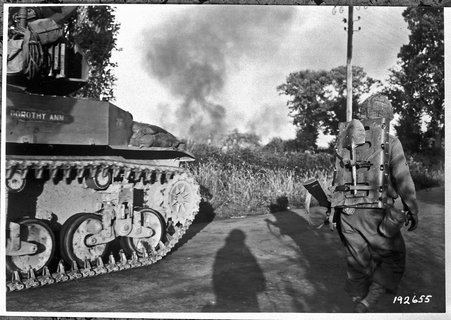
<point x="361" y="164"/>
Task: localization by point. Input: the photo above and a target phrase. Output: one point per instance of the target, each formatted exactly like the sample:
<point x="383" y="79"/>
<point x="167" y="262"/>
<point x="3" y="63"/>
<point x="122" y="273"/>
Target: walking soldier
<point x="371" y="172"/>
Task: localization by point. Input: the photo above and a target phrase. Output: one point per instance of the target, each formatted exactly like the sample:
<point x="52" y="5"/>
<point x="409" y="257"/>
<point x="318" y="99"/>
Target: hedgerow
<point x="250" y="181"/>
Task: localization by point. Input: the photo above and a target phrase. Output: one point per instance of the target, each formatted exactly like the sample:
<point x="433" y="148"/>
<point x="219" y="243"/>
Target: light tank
<point x="89" y="190"/>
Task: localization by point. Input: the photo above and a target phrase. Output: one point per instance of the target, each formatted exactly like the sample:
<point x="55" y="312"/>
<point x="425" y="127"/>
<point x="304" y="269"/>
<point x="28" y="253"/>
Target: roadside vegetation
<point x="249" y="181"/>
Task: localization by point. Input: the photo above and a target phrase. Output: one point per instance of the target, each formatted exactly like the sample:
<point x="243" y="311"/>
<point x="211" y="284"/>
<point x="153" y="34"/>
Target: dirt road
<point x="267" y="263"/>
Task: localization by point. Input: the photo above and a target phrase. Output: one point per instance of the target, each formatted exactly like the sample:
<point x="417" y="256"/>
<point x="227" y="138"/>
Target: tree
<point x="318" y="100"/>
<point x="416" y="86"/>
<point x="94" y="31"/>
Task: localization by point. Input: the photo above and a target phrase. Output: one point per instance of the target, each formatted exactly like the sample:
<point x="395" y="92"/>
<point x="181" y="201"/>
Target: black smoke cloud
<point x="193" y="51"/>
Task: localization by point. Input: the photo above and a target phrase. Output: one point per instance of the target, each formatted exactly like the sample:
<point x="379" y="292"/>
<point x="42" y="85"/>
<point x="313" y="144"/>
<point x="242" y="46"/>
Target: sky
<point x="202" y="71"/>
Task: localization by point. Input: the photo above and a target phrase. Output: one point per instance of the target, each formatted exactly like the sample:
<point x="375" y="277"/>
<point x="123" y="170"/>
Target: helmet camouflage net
<point x="376" y="106"/>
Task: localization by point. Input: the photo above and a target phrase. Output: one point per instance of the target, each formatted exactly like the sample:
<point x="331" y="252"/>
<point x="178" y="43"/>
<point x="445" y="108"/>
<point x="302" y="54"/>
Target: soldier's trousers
<point x="370" y="256"/>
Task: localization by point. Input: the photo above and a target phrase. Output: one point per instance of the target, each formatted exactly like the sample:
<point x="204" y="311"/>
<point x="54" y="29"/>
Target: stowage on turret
<point x="89" y="190"/>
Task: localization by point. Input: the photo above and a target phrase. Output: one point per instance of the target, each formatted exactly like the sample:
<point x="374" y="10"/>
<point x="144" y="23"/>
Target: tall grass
<point x="240" y="182"/>
<point x="242" y="191"/>
<point x="245" y="182"/>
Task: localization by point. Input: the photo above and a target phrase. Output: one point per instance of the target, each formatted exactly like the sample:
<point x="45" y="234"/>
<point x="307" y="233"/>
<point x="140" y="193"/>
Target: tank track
<point x="130" y="170"/>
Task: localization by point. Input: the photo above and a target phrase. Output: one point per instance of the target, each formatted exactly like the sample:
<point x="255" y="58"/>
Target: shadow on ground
<point x="237" y="277"/>
<point x="320" y="262"/>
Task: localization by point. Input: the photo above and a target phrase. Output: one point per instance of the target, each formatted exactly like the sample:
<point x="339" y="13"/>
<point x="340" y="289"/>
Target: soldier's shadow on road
<point x="321" y="262"/>
<point x="237" y="277"/>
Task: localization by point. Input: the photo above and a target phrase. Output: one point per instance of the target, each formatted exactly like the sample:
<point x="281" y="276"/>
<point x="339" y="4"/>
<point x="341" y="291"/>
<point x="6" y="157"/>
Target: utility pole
<point x="349" y="65"/>
<point x="350" y="30"/>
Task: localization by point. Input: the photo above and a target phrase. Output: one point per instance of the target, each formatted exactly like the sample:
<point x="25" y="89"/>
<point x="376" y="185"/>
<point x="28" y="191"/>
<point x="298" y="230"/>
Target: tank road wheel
<point x="181" y="198"/>
<point x="73" y="235"/>
<point x="150" y="219"/>
<point x="39" y="233"/>
<point x="16" y="182"/>
<point x="100" y="181"/>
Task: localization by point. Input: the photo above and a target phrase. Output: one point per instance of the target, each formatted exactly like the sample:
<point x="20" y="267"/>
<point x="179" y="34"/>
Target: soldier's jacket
<point x="400" y="182"/>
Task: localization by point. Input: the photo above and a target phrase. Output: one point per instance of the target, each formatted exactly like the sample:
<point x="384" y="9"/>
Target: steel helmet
<point x="376" y="106"/>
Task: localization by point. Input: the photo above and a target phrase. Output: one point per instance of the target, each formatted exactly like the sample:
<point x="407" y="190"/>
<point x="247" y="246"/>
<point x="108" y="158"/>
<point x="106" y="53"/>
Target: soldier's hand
<point x="412" y="219"/>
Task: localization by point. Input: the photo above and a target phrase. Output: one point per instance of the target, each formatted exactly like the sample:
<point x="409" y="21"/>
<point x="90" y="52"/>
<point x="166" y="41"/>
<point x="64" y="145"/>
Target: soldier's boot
<point x="360" y="308"/>
<point x="375" y="292"/>
<point x="356" y="299"/>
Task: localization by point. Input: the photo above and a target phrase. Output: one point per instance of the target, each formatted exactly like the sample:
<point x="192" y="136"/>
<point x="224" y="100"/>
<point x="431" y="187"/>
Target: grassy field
<point x="241" y="182"/>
